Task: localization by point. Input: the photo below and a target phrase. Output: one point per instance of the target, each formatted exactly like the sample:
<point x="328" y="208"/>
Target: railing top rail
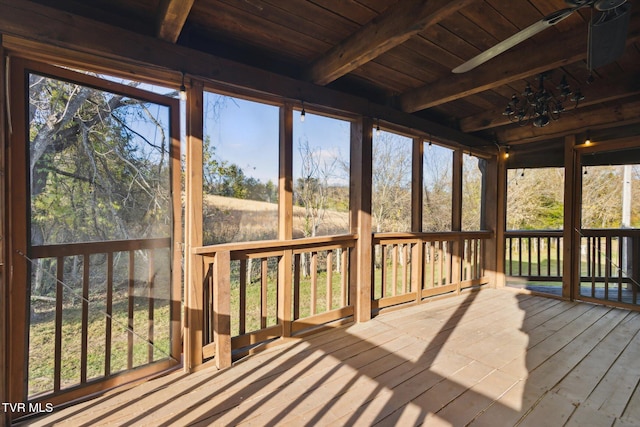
<point x="610" y="232"/>
<point x="533" y="233"/>
<point x="440" y="235"/>
<point x="87" y="248"/>
<point x="263" y="245"/>
<point x="586" y="232"/>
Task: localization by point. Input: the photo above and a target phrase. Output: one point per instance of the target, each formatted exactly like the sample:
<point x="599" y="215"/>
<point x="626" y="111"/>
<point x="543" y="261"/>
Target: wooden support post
<point x="285" y="182"/>
<point x="285" y="218"/>
<point x="570" y="236"/>
<point x="456" y="218"/>
<point x="178" y="254"/>
<point x="17" y="266"/>
<point x="222" y="308"/>
<point x="4" y="419"/>
<point x="635" y="265"/>
<point x="417" y="250"/>
<point x="360" y="194"/>
<point x="417" y="171"/>
<point x="194" y="320"/>
<point x="494" y="219"/>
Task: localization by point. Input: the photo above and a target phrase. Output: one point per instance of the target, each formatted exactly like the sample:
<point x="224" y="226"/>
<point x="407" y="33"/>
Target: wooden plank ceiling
<point x="401" y="53"/>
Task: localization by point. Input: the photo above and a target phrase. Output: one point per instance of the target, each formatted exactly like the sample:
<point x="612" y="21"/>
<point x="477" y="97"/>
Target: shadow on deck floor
<point x="491" y="357"/>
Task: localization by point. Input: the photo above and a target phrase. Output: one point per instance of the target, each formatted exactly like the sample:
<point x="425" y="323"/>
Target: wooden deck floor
<point x="488" y="358"/>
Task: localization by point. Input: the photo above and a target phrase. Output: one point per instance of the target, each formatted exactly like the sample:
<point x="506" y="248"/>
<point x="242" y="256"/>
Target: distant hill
<point x="227" y="219"/>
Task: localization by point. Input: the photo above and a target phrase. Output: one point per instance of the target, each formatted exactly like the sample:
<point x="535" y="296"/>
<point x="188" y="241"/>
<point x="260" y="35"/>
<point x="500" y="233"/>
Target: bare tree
<point x="437" y="186"/>
<point x="312" y="190"/>
<point x="94" y="175"/>
<point x="391" y="183"/>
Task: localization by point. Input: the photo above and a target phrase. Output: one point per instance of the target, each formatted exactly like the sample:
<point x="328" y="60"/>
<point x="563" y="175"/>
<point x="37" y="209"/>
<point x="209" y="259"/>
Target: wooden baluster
<point x="560" y="261"/>
<point x="296" y="286"/>
<point x="242" y="298"/>
<point x="130" y="309"/>
<point x="344" y="283"/>
<point x="432" y="263"/>
<point x="593" y="268"/>
<point x="329" y="293"/>
<point x="314" y="282"/>
<point x="57" y="369"/>
<point x="607" y="267"/>
<point x="620" y="266"/>
<point x="151" y="305"/>
<point x="86" y="264"/>
<point x="263" y="293"/>
<point x="539" y="256"/>
<point x="394" y="269"/>
<point x="109" y="319"/>
<point x="405" y="269"/>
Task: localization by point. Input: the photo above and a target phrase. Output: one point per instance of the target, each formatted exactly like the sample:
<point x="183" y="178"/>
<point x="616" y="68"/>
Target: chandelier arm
<point x="541" y="106"/>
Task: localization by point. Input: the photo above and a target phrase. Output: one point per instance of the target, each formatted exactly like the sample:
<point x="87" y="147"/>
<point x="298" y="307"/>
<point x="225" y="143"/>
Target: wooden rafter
<point x="407" y="18"/>
<point x="508" y="67"/>
<point x="88" y="37"/>
<point x="601" y="91"/>
<point x="171" y="18"/>
<point x="622" y="113"/>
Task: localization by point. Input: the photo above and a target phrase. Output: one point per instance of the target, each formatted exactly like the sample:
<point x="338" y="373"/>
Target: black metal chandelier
<point x="541" y="106"/>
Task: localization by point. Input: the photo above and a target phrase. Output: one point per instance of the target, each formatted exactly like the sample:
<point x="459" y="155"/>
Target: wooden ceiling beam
<point x="600" y="91"/>
<point x="93" y="41"/>
<point x="402" y="21"/>
<point x="171" y="18"/>
<point x="619" y="114"/>
<point x="510" y="66"/>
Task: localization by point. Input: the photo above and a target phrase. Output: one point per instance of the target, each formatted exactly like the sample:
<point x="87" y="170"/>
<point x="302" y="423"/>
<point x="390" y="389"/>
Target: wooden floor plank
<point x="487" y="358"/>
<point x="552" y="410"/>
<point x="613" y="393"/>
<point x="587" y="374"/>
<point x="588" y="416"/>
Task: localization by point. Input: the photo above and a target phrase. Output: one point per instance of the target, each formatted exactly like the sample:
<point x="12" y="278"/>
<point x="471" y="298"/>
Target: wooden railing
<point x="272" y="289"/>
<point x="610" y="264"/>
<point x="123" y="304"/>
<point x="534" y="255"/>
<point x="255" y="292"/>
<point x="413" y="266"/>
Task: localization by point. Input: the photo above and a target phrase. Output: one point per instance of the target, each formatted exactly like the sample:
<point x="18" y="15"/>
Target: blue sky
<point x="246" y="133"/>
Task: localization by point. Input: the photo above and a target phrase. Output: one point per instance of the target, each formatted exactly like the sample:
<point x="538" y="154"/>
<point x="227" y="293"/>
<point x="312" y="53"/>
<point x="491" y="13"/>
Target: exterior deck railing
<point x="534" y="255"/>
<point x="255" y="292"/>
<point x="609" y="265"/>
<point x="413" y="266"/>
<point x="273" y="289"/>
<point x="118" y="307"/>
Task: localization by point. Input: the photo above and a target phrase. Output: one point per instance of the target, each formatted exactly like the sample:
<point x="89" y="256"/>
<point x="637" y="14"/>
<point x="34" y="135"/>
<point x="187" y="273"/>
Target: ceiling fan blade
<point x="515" y="39"/>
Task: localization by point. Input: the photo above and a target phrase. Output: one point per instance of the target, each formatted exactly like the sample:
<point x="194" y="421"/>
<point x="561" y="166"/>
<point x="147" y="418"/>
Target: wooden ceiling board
<point x="138" y="16"/>
<point x="251" y="29"/>
<point x="377" y="73"/>
<point x="448" y="41"/>
<point x="409" y="67"/>
<point x="293" y="36"/>
<point x="355" y="11"/>
<point x="443" y="61"/>
<point x="482" y="12"/>
<point x="467" y="30"/>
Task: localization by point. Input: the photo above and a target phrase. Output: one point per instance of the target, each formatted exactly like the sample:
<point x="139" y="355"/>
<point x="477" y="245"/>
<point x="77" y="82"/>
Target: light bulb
<point x="302" y="115"/>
